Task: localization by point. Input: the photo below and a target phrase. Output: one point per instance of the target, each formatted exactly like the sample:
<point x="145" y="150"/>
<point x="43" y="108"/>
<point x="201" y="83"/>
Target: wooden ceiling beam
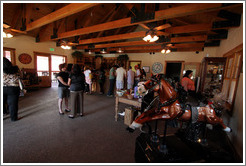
<point x="134" y="43"/>
<point x="159" y="50"/>
<point x="114" y="37"/>
<point x="155" y="47"/>
<point x="188" y="45"/>
<point x="59" y="14"/>
<point x="120" y="44"/>
<point x="159" y="15"/>
<point x="189" y="28"/>
<point x="188" y="39"/>
<point x="109" y="17"/>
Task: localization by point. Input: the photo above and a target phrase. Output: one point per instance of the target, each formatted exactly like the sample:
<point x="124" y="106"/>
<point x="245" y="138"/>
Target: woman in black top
<point x="101" y="79"/>
<point x="11" y="89"/>
<point x="76" y="81"/>
<point x="63" y="91"/>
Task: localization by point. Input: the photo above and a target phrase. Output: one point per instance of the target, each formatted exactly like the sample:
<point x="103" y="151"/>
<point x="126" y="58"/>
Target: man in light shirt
<point x="120" y="75"/>
<point x="130" y="78"/>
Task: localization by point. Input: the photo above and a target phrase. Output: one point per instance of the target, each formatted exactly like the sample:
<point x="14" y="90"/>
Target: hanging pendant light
<point x="165" y="49"/>
<point x="151" y="36"/>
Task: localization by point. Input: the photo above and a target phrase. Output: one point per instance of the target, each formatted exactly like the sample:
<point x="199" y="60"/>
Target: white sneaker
<point x="122" y="114"/>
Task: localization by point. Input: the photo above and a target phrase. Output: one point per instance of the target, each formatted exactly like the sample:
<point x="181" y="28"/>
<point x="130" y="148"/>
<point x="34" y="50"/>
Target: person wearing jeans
<point x="11" y="89"/>
<point x="111" y="81"/>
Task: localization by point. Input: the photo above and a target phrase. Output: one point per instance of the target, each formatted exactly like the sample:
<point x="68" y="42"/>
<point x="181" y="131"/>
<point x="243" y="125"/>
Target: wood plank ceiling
<point x="110" y="26"/>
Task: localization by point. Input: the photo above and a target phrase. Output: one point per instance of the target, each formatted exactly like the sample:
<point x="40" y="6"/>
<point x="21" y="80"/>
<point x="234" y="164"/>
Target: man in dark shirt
<point x="63" y="91"/>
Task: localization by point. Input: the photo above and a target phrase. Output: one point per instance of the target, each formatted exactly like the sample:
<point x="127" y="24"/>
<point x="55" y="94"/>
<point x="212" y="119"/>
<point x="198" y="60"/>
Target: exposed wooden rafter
<point x="159" y="15"/>
<point x="59" y="14"/>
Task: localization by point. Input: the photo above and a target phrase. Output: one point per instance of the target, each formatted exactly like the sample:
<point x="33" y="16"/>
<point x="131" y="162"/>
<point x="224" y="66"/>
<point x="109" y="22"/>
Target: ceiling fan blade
<point x="72" y="44"/>
<point x="144" y="26"/>
<point x="159" y="33"/>
<point x="169" y="45"/>
<point x="18" y="31"/>
<point x="162" y="27"/>
<point x="5" y="26"/>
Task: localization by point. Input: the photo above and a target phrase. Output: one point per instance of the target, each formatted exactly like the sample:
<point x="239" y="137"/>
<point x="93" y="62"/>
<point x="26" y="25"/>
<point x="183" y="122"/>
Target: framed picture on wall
<point x="146" y="69"/>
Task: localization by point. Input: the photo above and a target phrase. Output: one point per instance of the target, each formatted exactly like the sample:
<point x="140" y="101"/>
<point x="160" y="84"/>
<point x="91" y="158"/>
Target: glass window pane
<point x="42" y="63"/>
<point x="7" y="54"/>
<point x="225" y="87"/>
<point x="56" y="61"/>
<point x="232" y="90"/>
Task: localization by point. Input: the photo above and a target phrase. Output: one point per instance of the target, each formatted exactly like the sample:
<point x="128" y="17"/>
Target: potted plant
<point x="123" y="57"/>
<point x="77" y="54"/>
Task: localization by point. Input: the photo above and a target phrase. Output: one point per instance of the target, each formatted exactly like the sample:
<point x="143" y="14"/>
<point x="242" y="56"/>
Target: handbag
<point x="21" y="85"/>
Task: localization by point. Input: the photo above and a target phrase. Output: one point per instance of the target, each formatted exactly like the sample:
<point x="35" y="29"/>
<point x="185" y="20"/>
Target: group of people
<point x="74" y="84"/>
<point x="118" y="74"/>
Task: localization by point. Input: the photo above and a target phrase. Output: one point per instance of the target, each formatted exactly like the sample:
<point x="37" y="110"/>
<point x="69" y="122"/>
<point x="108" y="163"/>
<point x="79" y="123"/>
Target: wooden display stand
<point x="133" y="102"/>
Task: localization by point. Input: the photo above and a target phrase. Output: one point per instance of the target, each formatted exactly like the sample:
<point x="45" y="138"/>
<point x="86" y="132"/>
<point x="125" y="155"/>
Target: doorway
<point x="174" y="70"/>
<point x="47" y="66"/>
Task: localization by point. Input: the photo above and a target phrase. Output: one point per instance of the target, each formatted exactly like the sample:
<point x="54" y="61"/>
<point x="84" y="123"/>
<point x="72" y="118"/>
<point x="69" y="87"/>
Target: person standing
<point x="63" y="91"/>
<point x="11" y="89"/>
<point x="138" y="74"/>
<point x="120" y="76"/>
<point x="88" y="78"/>
<point x="111" y="81"/>
<point x="76" y="81"/>
<point x="130" y="78"/>
<point x="101" y="79"/>
<point x="187" y="82"/>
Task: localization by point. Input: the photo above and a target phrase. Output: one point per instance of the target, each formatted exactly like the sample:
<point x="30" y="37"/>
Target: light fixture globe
<point x="168" y="51"/>
<point x="151" y="36"/>
<point x="163" y="51"/>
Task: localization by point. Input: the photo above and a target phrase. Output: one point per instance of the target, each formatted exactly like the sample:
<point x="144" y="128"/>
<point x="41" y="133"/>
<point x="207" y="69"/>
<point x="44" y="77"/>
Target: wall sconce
<point x="151" y="36"/>
<point x="89" y="52"/>
<point x="7" y="35"/>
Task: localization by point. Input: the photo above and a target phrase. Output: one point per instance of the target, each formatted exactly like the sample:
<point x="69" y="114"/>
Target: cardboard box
<point x="129" y="115"/>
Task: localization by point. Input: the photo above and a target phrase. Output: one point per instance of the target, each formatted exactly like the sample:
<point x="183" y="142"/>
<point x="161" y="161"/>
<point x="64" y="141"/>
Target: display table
<point x="133" y="102"/>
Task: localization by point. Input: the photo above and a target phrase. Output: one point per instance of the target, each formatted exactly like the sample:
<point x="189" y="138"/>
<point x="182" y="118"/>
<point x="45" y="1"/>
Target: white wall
<point x="27" y="44"/>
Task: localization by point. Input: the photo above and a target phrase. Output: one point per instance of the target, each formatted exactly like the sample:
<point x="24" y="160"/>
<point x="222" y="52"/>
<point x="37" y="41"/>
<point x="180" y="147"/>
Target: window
<point x="55" y="62"/>
<point x="9" y="53"/>
<point x="232" y="71"/>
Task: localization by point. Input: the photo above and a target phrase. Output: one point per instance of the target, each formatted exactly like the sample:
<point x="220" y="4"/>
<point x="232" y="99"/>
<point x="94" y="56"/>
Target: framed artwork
<point x="146" y="69"/>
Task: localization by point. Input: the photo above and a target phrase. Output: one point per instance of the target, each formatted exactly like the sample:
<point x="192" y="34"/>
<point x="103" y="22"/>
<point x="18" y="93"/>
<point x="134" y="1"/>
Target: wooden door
<point x="43" y="66"/>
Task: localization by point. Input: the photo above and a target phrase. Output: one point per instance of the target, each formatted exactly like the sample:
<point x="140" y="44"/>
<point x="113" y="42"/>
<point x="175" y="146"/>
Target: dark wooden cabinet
<point x="212" y="74"/>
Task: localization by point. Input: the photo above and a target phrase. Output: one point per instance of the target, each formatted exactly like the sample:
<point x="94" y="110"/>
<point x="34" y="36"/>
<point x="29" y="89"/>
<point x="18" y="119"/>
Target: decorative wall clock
<point x="25" y="58"/>
<point x="157" y="67"/>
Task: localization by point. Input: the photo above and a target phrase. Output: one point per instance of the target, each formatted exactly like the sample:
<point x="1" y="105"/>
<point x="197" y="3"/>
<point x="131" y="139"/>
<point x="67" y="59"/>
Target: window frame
<point x="236" y="55"/>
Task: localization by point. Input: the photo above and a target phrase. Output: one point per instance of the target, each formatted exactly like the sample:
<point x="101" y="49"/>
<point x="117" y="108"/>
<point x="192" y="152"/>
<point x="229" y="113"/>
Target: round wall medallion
<point x="157" y="67"/>
<point x="25" y="58"/>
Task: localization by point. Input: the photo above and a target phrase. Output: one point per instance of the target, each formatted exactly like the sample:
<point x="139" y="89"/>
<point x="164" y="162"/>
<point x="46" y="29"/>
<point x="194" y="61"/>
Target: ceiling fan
<point x="8" y="30"/>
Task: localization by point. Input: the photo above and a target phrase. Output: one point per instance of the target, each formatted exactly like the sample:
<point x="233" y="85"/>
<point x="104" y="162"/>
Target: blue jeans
<point x="111" y="86"/>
